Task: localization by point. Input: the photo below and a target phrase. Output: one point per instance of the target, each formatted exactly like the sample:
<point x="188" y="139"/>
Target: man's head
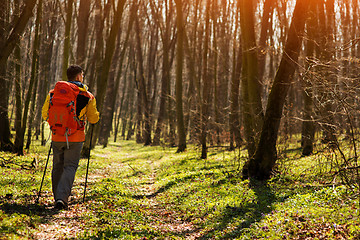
<point x="75" y="73"/>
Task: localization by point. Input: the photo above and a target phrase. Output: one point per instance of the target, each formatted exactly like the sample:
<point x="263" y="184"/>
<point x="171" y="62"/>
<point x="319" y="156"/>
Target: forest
<point x="257" y="78"/>
<point x="212" y="73"/>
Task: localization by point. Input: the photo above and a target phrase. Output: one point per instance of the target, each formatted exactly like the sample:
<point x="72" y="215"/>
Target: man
<point x="67" y="146"/>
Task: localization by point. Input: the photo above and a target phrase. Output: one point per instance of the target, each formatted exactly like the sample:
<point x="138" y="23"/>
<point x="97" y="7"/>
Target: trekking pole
<point x="87" y="168"/>
<point x="42" y="180"/>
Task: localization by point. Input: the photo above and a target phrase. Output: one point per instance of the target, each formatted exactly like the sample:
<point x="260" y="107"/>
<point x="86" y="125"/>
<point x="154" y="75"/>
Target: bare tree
<point x="6" y="48"/>
<point x="261" y="165"/>
<point x="251" y="92"/>
<point x="143" y="86"/>
<point x="179" y="76"/>
<point x="82" y="33"/>
<point x="68" y="23"/>
<point x="207" y="84"/>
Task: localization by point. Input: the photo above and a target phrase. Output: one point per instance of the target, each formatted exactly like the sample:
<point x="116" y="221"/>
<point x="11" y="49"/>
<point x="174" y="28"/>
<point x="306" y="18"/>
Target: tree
<point x="308" y="126"/>
<point x="7" y="46"/>
<point x="164" y="27"/>
<point x="265" y="25"/>
<point x="143" y="92"/>
<point x="83" y="24"/>
<point x="179" y="77"/>
<point x="66" y="52"/>
<point x="234" y="118"/>
<point x="113" y="88"/>
<point x="261" y="165"/>
<point x="48" y="29"/>
<point x="207" y="84"/>
<point x="327" y="23"/>
<point x="251" y="93"/>
<point x="35" y="71"/>
<point x="103" y="77"/>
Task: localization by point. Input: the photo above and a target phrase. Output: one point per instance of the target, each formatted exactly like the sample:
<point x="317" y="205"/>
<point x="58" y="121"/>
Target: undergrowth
<point x="137" y="192"/>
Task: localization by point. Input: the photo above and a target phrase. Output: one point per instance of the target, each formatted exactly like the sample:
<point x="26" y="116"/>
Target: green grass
<point x="137" y="192"/>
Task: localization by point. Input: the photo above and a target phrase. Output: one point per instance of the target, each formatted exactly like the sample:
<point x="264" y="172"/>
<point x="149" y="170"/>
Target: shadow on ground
<point x="250" y="212"/>
<point x="29" y="207"/>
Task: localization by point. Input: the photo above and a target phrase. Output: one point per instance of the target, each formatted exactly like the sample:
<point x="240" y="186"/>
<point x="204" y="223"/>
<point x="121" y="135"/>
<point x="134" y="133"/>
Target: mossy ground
<point x="137" y="192"/>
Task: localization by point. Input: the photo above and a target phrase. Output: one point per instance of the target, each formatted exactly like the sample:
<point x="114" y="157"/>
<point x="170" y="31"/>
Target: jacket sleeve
<point x="45" y="108"/>
<point x="92" y="113"/>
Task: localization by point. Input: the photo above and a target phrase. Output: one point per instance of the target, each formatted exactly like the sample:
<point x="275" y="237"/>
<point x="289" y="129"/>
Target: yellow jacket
<point x="88" y="113"/>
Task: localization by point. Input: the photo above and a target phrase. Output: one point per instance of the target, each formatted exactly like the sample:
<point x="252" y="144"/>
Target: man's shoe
<point x="60" y="205"/>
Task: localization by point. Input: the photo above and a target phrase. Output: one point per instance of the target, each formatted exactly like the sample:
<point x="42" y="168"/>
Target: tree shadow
<point x="29" y="209"/>
<point x="26" y="204"/>
<point x="164" y="188"/>
<point x="250" y="212"/>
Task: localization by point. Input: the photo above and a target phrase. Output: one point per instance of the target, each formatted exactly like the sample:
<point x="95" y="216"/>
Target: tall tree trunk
<point x="308" y="125"/>
<point x="35" y="70"/>
<point x="18" y="98"/>
<point x="207" y="84"/>
<point x="179" y="77"/>
<point x="99" y="45"/>
<point x="234" y="116"/>
<point x="261" y="165"/>
<point x="7" y="45"/>
<point x="83" y="24"/>
<point x="165" y="81"/>
<point x="225" y="31"/>
<point x="18" y="92"/>
<point x="253" y="112"/>
<point x="216" y="103"/>
<point x="19" y="142"/>
<point x="112" y="90"/>
<point x="327" y="55"/>
<point x="265" y="25"/>
<point x="131" y="106"/>
<point x="104" y="76"/>
<point x="66" y="52"/>
<point x="31" y="94"/>
<point x="166" y="66"/>
<point x="143" y="86"/>
<point x="194" y="75"/>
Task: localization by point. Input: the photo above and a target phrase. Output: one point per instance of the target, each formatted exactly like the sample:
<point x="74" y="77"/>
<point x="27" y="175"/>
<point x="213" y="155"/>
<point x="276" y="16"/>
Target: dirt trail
<point x="164" y="218"/>
<point x="69" y="224"/>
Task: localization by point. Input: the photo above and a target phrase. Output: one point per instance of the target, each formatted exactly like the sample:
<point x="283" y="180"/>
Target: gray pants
<point x="65" y="164"/>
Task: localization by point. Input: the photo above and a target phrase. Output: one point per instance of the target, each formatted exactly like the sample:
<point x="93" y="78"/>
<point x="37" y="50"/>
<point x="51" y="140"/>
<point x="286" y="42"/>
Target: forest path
<point x="163" y="217"/>
<point x="72" y="223"/>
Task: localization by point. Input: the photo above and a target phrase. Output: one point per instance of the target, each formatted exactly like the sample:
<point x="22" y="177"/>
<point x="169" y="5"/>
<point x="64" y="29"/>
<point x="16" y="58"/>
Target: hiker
<point x="66" y="108"/>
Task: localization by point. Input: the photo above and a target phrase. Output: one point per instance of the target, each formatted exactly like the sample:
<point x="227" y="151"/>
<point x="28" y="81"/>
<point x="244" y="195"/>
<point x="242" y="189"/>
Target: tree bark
<point x="143" y="86"/>
<point x="327" y="55"/>
<point x="207" y="84"/>
<point x="253" y="111"/>
<point x="179" y="77"/>
<point x="261" y="165"/>
<point x="103" y="77"/>
<point x="31" y="94"/>
<point x="234" y="118"/>
<point x="66" y="52"/>
<point x="265" y="25"/>
<point x="234" y="114"/>
<point x="18" y="88"/>
<point x="308" y="125"/>
<point x="83" y="24"/>
<point x="35" y="71"/>
<point x="112" y="90"/>
<point x="6" y="48"/>
<point x="165" y="74"/>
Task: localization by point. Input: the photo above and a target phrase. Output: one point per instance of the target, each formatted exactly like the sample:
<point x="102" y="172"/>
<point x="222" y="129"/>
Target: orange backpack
<point x="62" y="109"/>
